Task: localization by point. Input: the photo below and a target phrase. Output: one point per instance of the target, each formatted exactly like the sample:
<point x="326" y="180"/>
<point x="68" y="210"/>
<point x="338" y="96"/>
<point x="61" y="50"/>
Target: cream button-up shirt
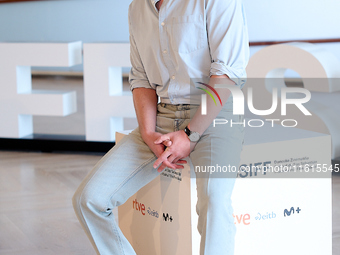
<point x="185" y="40"/>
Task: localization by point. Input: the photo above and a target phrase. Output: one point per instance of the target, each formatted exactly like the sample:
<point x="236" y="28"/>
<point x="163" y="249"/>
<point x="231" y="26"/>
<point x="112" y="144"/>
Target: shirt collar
<point x="154" y="2"/>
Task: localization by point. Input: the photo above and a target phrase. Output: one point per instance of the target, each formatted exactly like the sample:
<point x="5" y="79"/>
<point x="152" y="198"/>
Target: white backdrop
<point x="292" y="19"/>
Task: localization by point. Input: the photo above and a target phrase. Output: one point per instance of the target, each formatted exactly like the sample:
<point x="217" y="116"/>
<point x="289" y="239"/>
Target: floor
<point x="36" y="214"/>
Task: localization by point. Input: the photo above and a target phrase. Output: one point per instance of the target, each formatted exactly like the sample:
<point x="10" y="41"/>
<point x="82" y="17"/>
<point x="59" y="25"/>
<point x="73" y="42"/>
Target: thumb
<point x="167" y="143"/>
<point x="161" y="139"/>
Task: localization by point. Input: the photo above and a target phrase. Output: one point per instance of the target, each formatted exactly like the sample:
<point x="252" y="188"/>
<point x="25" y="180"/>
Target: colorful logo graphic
<point x="209" y="93"/>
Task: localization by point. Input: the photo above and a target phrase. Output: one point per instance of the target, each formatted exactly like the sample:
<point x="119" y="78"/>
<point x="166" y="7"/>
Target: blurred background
<point x="106" y="21"/>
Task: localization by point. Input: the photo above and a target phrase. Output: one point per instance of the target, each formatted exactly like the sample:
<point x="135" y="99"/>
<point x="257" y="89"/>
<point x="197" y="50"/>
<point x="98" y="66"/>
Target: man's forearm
<point x="199" y="122"/>
<point x="145" y="102"/>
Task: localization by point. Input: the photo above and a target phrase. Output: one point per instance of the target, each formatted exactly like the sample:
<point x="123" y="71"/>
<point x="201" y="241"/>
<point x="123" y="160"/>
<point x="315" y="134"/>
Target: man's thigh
<point x="217" y="154"/>
<point x="122" y="171"/>
<point x="216" y="159"/>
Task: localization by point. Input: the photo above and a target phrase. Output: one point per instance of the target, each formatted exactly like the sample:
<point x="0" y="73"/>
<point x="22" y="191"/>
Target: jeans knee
<point x="218" y="201"/>
<point x="76" y="200"/>
<point x="87" y="199"/>
<point x="214" y="202"/>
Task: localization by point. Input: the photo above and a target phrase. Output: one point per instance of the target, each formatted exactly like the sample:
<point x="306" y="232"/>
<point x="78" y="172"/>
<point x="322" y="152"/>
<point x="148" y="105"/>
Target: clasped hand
<point x="170" y="149"/>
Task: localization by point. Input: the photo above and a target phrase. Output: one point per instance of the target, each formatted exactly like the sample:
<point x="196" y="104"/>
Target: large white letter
<point x="238" y="97"/>
<point x="106" y="104"/>
<point x="297" y="101"/>
<point x="18" y="102"/>
<point x="320" y="73"/>
<point x="261" y="112"/>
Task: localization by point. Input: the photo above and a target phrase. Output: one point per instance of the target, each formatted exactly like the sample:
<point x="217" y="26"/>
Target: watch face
<point x="194" y="136"/>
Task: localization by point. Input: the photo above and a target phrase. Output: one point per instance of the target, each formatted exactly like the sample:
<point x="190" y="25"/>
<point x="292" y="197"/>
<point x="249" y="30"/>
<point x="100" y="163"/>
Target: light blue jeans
<point x="127" y="167"/>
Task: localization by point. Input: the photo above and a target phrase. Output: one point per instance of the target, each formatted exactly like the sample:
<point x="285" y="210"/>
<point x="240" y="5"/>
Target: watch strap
<point x="187" y="131"/>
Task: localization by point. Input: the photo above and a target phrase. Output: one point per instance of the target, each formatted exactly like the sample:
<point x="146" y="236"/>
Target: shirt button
<point x="165" y="51"/>
<point x="173" y="77"/>
<point x="163" y="24"/>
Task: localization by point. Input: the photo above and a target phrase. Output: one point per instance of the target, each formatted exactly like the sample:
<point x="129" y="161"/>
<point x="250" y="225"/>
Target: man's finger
<point x="161" y="139"/>
<point x="176" y="160"/>
<point x="161" y="168"/>
<point x="180" y="161"/>
<point x="169" y="165"/>
<point x="172" y="158"/>
<point x="162" y="158"/>
<point x="167" y="143"/>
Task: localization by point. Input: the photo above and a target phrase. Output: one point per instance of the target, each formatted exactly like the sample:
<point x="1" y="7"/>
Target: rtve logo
<point x="138" y="206"/>
<point x="242" y="219"/>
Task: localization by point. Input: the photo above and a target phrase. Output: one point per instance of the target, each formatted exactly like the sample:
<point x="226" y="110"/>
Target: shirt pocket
<point x="187" y="33"/>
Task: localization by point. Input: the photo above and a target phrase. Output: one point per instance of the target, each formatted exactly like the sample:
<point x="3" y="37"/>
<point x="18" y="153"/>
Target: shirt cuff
<point x="137" y="80"/>
<point x="238" y="75"/>
<point x="140" y="84"/>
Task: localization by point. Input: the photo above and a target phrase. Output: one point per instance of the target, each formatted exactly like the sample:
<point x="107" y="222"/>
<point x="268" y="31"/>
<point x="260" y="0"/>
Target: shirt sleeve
<point x="137" y="76"/>
<point x="228" y="39"/>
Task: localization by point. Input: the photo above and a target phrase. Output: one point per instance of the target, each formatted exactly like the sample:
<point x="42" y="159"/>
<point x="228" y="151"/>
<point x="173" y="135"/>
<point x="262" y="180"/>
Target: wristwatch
<point x="193" y="136"/>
